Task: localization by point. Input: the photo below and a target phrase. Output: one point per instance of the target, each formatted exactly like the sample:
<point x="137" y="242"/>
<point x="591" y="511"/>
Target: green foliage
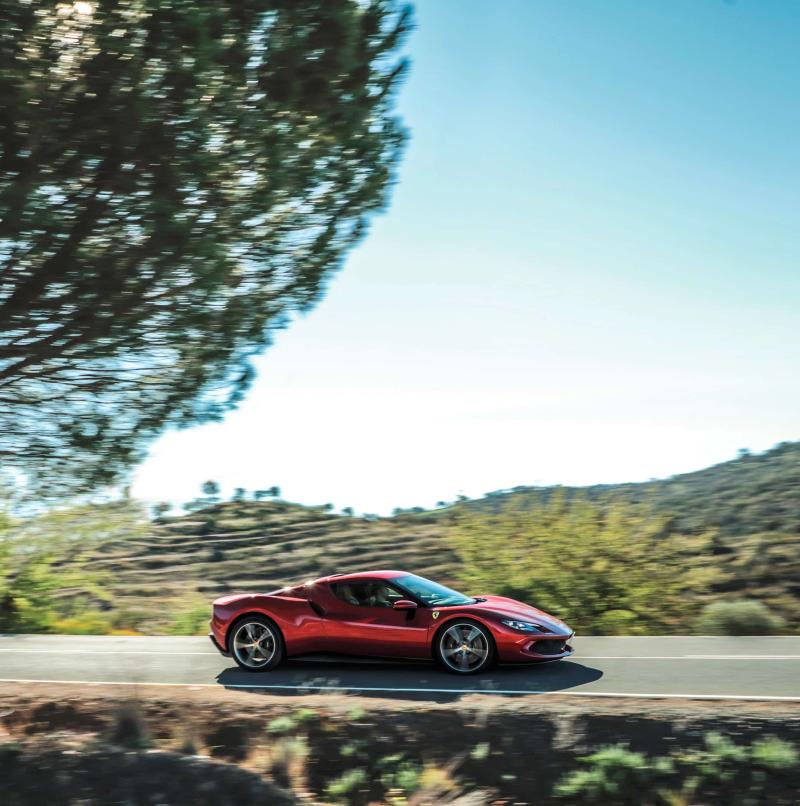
<point x="774" y="754"/>
<point x="480" y="752"/>
<point x="270" y="492"/>
<point x="616" y="569"/>
<point x="399" y="774"/>
<point x="175" y="180"/>
<point x="282" y="724"/>
<point x="742" y="617"/>
<point x="617" y="777"/>
<point x="91" y="622"/>
<point x="600" y="562"/>
<point x="305" y="715"/>
<point x="191" y="617"/>
<point x="44" y="584"/>
<point x="159" y="510"/>
<point x="344" y="788"/>
<point x="754" y="493"/>
<point x="723" y="772"/>
<point x="719" y="772"/>
<point x="211" y="490"/>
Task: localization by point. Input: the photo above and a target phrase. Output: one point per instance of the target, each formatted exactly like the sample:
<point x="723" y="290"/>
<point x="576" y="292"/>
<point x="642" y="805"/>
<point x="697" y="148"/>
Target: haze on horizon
<point x="588" y="271"/>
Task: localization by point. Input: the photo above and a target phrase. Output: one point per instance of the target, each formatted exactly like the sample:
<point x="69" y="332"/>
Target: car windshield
<point x="431" y="593"/>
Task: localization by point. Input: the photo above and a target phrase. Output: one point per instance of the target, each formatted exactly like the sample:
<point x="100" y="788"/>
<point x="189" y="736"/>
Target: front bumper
<point x="222" y="651"/>
<point x="517" y="648"/>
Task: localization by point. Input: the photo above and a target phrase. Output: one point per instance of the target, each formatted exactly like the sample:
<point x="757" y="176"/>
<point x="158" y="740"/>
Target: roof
<point x="363" y="575"/>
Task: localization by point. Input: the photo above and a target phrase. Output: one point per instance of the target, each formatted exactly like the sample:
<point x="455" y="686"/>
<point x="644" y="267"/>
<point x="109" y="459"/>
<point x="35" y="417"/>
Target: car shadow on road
<point x="407" y="680"/>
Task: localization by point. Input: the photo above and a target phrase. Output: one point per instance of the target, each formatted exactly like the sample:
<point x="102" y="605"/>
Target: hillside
<point x="182" y="562"/>
<point x="753" y="493"/>
<point x="258" y="545"/>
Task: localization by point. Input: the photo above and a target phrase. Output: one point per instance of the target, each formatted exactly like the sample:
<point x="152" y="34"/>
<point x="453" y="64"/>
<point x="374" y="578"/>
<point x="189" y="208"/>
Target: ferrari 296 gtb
<point x="385" y="614"/>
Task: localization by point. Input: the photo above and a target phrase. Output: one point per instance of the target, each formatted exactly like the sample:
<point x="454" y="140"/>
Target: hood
<point x="505" y="608"/>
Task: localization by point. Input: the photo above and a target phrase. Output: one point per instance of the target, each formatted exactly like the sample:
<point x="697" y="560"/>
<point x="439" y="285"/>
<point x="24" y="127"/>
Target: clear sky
<point x="589" y="271"/>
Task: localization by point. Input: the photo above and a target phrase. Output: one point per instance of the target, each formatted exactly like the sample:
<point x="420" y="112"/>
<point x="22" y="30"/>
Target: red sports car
<point x="389" y="614"/>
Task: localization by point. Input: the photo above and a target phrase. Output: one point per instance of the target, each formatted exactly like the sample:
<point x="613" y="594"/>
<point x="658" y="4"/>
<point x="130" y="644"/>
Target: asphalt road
<point x="758" y="668"/>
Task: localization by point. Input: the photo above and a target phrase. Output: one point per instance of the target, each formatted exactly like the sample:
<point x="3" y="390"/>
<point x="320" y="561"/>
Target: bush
<point x="743" y="617"/>
<point x="193" y="620"/>
<point x="535" y="551"/>
<point x="720" y="771"/>
<point x="345" y="787"/>
<point x="616" y="776"/>
<point x="89" y="623"/>
<point x="129" y="729"/>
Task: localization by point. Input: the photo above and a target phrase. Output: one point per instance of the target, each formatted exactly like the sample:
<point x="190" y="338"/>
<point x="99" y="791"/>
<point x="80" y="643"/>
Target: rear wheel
<point x="256" y="644"/>
<point x="464" y="647"/>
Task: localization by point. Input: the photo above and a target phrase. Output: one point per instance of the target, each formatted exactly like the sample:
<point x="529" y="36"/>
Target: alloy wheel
<point x="464" y="647"/>
<point x="254" y="644"/>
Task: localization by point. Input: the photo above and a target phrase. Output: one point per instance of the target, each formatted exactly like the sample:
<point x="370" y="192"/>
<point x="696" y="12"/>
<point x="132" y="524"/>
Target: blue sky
<point x="589" y="271"/>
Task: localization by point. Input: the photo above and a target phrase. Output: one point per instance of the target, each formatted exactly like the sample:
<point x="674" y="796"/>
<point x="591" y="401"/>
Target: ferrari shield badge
<point x="435" y="615"/>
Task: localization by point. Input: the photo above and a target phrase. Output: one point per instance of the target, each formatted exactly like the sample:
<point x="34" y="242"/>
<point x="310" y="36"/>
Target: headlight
<point x="522" y="626"/>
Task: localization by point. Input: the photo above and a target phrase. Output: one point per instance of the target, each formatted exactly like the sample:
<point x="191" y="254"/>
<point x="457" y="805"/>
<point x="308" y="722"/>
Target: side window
<point x="350" y="592"/>
<point x="367" y="594"/>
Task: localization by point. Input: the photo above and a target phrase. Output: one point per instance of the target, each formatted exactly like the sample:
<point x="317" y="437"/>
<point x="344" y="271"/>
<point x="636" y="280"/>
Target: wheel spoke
<point x="254" y="644"/>
<point x="453" y="635"/>
<point x="464" y="647"/>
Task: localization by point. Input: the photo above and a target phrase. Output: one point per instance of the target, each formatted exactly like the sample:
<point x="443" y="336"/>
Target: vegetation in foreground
<point x="616" y="560"/>
<point x="342" y="750"/>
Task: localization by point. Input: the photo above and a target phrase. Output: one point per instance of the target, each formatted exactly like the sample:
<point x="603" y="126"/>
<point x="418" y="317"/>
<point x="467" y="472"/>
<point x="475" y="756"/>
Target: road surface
<point x="762" y="668"/>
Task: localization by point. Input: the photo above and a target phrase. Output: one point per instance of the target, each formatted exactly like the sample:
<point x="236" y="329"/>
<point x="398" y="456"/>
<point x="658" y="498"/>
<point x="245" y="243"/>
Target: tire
<point x="256" y="643"/>
<point x="463" y="646"/>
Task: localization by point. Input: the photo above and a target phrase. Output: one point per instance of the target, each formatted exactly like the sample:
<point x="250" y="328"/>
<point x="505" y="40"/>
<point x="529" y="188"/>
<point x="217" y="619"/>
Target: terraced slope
<point x="177" y="565"/>
<point x="257" y="546"/>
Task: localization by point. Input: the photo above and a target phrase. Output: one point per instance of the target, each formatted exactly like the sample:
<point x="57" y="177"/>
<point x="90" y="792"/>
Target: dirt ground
<point x="158" y="744"/>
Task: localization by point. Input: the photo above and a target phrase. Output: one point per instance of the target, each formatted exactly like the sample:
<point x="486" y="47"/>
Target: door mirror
<point x="404" y="604"/>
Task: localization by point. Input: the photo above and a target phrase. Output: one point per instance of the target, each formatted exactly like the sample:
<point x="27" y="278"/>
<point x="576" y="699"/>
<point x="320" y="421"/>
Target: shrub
<point x="720" y="771"/>
<point x="129" y="729"/>
<point x="616" y="776"/>
<point x="774" y="754"/>
<point x="281" y="724"/>
<point x="618" y="622"/>
<point x="534" y="550"/>
<point x="191" y="620"/>
<point x="398" y="774"/>
<point x="742" y="617"/>
<point x="89" y="623"/>
<point x="346" y="785"/>
<point x="128" y="620"/>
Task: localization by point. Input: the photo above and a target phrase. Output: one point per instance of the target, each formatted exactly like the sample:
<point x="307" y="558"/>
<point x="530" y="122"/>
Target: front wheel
<point x="256" y="644"/>
<point x="464" y="647"/>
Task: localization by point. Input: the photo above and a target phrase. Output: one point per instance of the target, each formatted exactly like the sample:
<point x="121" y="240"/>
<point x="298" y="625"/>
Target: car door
<point x="360" y="620"/>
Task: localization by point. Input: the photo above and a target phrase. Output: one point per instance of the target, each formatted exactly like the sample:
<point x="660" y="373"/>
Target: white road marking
<point x="685" y="657"/>
<point x="356" y="689"/>
<point x="743" y="657"/>
<point x="212" y="654"/>
<point x="58" y="651"/>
